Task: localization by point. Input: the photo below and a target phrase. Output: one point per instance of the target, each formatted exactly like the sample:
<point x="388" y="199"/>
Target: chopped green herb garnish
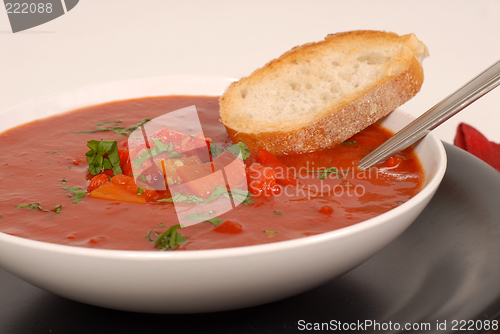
<point x="270" y="232"/>
<point x="96" y="160"/>
<point x="63" y="181"/>
<point x="198" y="217"/>
<point x="141" y="177"/>
<point x="112" y="122"/>
<point x="125" y="131"/>
<point x="128" y="130"/>
<point x="161" y="224"/>
<point x="55" y="151"/>
<point x="215" y="221"/>
<point x="218" y="191"/>
<point x="241" y="196"/>
<point x="330" y="170"/>
<point x="36" y="206"/>
<point x="240" y="150"/>
<point x="79" y="193"/>
<point x="278" y="213"/>
<point x="174" y="155"/>
<point x="140" y="191"/>
<point x="148" y="154"/>
<point x="215" y="151"/>
<point x="178" y="197"/>
<point x="148" y="236"/>
<point x="170" y="239"/>
<point x="349" y="142"/>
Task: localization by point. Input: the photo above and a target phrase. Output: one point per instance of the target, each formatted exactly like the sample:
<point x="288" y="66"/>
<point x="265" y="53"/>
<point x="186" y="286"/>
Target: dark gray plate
<point x="445" y="267"/>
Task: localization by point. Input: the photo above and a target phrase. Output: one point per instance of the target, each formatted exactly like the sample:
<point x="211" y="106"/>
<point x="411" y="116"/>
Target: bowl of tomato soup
<point x="82" y="214"/>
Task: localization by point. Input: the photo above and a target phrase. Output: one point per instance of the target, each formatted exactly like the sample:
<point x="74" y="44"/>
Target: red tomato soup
<point x="44" y="170"/>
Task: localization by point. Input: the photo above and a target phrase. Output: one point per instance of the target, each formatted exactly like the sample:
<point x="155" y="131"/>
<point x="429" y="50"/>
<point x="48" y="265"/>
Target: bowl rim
<point x="431" y="185"/>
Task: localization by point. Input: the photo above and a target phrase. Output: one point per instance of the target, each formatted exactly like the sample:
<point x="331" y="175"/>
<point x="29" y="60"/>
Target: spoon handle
<point x="435" y="116"/>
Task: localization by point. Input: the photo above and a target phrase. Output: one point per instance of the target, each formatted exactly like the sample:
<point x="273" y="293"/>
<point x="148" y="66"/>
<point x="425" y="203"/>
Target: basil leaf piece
<point x="174" y="155"/>
<point x="240" y="150"/>
<point x="163" y="200"/>
<point x="120" y="130"/>
<point x="198" y="217"/>
<point x="96" y="160"/>
<point x="179" y="197"/>
<point x="215" y="221"/>
<point x="148" y="154"/>
<point x="112" y="122"/>
<point x="278" y="213"/>
<point x="215" y="151"/>
<point x="170" y="239"/>
<point x="218" y="191"/>
<point x="79" y="193"/>
<point x="128" y="130"/>
<point x="241" y="196"/>
<point x="54" y="151"/>
<point x="36" y="206"/>
<point x="349" y="142"/>
<point x="148" y="236"/>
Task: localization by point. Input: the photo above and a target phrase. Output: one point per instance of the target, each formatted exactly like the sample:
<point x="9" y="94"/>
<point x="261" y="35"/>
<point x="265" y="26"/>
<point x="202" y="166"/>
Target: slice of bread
<point x="318" y="95"/>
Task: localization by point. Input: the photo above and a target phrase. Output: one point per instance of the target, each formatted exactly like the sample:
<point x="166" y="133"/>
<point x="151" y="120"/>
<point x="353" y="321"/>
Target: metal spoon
<point x="435" y="116"/>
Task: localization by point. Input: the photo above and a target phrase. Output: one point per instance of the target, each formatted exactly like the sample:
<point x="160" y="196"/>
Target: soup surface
<point x="43" y="165"/>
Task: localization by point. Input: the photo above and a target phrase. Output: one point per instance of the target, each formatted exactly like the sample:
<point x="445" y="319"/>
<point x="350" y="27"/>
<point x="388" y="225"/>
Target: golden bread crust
<point x="337" y="122"/>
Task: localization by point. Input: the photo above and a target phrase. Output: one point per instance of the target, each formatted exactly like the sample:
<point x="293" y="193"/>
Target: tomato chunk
<point x="262" y="180"/>
<point x="394" y="161"/>
<point x="125" y="161"/>
<point x="229" y="227"/>
<point x="234" y="169"/>
<point x="284" y="175"/>
<point x="97" y="181"/>
<point x="326" y="210"/>
<point x="200" y="179"/>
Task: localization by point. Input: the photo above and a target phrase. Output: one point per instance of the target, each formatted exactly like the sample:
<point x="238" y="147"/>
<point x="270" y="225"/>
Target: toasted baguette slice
<point x="318" y="95"/>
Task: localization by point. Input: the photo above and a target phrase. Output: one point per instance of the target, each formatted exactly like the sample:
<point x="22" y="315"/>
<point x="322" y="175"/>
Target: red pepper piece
<point x="284" y="175"/>
<point x="125" y="161"/>
<point x="229" y="227"/>
<point x="262" y="180"/>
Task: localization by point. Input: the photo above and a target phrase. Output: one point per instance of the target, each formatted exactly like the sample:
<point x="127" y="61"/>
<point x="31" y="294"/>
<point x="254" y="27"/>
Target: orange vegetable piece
<point x="116" y="192"/>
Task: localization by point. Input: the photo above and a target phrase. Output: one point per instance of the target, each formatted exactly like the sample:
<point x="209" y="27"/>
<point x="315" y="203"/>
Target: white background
<point x="107" y="40"/>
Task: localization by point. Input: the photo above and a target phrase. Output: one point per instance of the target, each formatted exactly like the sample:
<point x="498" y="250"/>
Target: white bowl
<point x="208" y="280"/>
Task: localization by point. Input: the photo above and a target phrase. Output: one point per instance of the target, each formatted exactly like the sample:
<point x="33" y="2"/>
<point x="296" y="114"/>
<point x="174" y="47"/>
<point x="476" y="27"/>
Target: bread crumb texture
<point x="319" y="94"/>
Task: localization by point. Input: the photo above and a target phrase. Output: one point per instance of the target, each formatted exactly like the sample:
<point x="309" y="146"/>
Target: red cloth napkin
<point x="474" y="142"/>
